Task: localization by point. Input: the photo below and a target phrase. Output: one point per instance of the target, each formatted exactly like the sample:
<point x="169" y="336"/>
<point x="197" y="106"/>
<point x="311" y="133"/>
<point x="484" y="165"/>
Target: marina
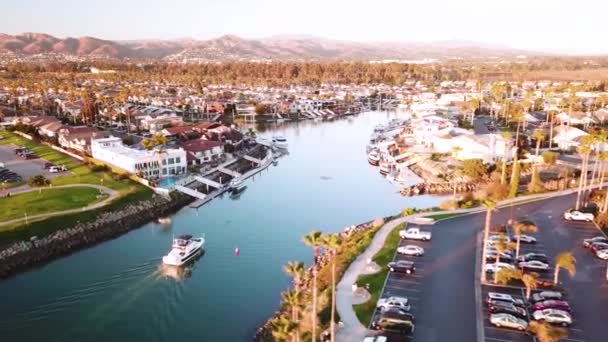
<point x="125" y="291"/>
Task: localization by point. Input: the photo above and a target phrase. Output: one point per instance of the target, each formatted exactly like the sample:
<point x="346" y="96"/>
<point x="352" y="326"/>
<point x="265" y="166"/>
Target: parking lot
<point x="26" y="168"/>
<point x="441" y="291"/>
<point x="586" y="292"/>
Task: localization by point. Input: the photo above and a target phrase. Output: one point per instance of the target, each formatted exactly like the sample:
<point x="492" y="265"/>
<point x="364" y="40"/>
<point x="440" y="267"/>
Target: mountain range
<point x="230" y="47"/>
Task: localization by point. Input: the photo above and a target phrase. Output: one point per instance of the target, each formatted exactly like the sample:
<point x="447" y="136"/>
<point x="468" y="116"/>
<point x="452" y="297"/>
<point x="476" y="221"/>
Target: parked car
<point x="393" y="302"/>
<point x="544" y="284"/>
<point x="57" y="169"/>
<point x="534" y="256"/>
<point x="546" y="295"/>
<point x="602" y="254"/>
<point x="598" y="246"/>
<point x="552" y="304"/>
<point x="523" y="238"/>
<point x="503" y="297"/>
<point x="402" y="266"/>
<point x="575" y="215"/>
<point x="534" y="265"/>
<point x="375" y="339"/>
<point x="390" y="322"/>
<point x="415" y="234"/>
<point x="411" y="250"/>
<point x="497" y="266"/>
<point x="587" y="242"/>
<point x="492" y="257"/>
<point x="48" y="165"/>
<point x="492" y="249"/>
<point x="553" y="316"/>
<point x="508" y="308"/>
<point x="508" y="321"/>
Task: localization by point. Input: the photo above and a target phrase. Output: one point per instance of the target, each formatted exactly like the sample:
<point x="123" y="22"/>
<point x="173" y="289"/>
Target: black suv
<point x="501" y="307"/>
<point x="402" y="266"/>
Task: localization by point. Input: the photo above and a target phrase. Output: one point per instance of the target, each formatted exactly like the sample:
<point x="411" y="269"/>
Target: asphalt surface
<point x="26" y="168"/>
<point x="442" y="292"/>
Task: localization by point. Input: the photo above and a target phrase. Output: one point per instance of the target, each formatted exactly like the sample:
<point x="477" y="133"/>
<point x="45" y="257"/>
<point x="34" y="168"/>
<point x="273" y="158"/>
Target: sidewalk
<point x="352" y="329"/>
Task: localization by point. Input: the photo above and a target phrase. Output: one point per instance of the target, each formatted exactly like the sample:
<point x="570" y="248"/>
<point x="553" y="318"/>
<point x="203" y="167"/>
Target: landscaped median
<point x="375" y="282"/>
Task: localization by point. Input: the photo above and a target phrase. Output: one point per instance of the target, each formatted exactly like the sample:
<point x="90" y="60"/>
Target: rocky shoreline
<point x="440" y="188"/>
<point x="108" y="225"/>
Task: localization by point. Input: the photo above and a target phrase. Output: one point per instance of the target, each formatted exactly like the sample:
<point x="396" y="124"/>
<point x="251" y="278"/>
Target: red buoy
<point x="237" y="251"/>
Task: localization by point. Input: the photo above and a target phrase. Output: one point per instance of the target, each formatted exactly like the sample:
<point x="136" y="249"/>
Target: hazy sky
<point x="566" y="26"/>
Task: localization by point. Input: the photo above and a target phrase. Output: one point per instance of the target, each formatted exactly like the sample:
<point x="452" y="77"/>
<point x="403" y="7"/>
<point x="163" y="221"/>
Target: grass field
<point x="439" y="217"/>
<point x="47" y="200"/>
<point x="376" y="281"/>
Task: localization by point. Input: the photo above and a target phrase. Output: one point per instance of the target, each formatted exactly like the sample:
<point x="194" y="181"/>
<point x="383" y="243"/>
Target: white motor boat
<point x="279" y="142"/>
<point x="235" y="183"/>
<point x="184" y="249"/>
<point x="373" y="157"/>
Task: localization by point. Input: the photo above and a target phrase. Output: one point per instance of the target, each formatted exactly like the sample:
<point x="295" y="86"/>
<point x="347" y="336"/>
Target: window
<point x="171" y="161"/>
<point x="177" y="160"/>
<point x="172" y="170"/>
<point x="164" y="171"/>
<point x="164" y="161"/>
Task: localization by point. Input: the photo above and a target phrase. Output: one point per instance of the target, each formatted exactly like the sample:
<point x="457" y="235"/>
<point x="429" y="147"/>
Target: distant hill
<point x="231" y="47"/>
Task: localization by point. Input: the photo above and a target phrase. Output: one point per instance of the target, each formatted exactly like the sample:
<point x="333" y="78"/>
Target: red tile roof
<point x="199" y="145"/>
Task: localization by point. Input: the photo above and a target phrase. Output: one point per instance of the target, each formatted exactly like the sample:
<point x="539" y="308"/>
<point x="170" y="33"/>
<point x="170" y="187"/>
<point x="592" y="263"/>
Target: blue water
<point x="117" y="291"/>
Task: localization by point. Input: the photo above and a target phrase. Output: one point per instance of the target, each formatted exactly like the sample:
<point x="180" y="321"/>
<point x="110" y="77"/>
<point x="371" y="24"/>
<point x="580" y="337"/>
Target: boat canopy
<point x="184" y="237"/>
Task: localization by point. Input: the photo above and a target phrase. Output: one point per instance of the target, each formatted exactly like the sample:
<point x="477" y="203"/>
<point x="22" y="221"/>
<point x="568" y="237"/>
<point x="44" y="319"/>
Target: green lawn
<point x="439" y="217"/>
<point x="376" y="281"/>
<point x="47" y="200"/>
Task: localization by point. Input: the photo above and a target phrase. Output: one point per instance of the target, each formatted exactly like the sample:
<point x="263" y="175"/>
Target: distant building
<point x="79" y="137"/>
<point x="201" y="151"/>
<point x="156" y="163"/>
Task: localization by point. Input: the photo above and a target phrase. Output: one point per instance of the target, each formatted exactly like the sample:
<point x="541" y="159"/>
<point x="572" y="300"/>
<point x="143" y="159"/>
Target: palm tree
<point x="567" y="261"/>
<point x="293" y="299"/>
<point x="546" y="332"/>
<point x="505" y="275"/>
<point x="530" y="282"/>
<point x="332" y="243"/>
<point x="521" y="227"/>
<point x="503" y="175"/>
<point x="282" y="327"/>
<point x="295" y="269"/>
<point x="539" y="136"/>
<point x="490" y="206"/>
<point x="314" y="239"/>
<point x="583" y="151"/>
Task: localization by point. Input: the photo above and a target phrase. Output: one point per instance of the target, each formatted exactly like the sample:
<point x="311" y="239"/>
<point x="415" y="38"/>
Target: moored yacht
<point x="184" y="249"/>
<point x="279" y="142"/>
<point x="373" y="157"/>
<point x="384" y="167"/>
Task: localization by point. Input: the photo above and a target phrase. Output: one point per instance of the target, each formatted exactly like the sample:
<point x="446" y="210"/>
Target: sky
<point x="575" y="27"/>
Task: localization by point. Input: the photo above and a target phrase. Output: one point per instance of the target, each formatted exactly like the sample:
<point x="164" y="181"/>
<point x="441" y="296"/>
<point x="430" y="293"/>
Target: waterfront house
<point x="50" y="129"/>
<point x="79" y="137"/>
<point x="201" y="151"/>
<point x="159" y="162"/>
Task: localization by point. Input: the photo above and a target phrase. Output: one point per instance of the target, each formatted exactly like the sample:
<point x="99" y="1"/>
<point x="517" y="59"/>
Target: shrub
<point x="38" y="180"/>
<point x="408" y="212"/>
<point x="497" y="191"/>
<point x="602" y="220"/>
<point x="99" y="168"/>
<point x="549" y="157"/>
<point x="449" y="205"/>
<point x="473" y="168"/>
<point x="121" y="176"/>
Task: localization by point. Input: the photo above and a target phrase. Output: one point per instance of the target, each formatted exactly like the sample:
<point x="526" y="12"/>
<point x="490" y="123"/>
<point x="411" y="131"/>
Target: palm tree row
<point x="289" y="326"/>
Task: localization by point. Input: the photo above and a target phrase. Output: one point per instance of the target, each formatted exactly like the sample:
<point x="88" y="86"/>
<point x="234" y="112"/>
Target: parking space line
<point x="402" y="288"/>
<point x="504" y="330"/>
<point x="497" y="339"/>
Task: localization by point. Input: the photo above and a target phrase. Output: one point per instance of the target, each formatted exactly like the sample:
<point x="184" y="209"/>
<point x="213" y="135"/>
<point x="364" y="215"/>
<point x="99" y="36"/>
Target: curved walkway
<point x="352" y="329"/>
<point x="112" y="194"/>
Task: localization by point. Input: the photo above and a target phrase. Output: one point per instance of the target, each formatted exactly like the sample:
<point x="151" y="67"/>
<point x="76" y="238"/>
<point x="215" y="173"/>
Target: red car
<point x="551" y="304"/>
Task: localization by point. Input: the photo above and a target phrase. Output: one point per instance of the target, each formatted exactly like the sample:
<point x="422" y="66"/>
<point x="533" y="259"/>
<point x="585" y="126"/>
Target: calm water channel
<point x="117" y="291"/>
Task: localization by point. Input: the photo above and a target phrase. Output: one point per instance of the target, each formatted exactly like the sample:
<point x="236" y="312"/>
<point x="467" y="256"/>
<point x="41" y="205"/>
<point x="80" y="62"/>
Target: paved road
<point x="479" y="124"/>
<point x="112" y="194"/>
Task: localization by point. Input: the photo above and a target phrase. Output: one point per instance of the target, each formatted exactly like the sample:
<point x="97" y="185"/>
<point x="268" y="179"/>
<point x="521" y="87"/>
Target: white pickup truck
<point x="415" y="234"/>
